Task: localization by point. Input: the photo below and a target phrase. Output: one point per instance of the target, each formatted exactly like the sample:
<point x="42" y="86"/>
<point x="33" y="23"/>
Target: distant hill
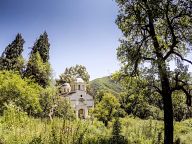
<point x="105" y="83"/>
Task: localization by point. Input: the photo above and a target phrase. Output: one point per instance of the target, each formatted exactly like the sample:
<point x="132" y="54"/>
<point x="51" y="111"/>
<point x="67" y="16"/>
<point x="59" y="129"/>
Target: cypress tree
<point x="117" y="138"/>
<point x="38" y="67"/>
<point x="42" y="46"/>
<point x="11" y="58"/>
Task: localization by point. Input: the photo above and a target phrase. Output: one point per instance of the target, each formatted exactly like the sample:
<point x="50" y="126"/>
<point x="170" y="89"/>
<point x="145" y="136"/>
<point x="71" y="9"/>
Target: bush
<point x="107" y="108"/>
<point x="52" y="103"/>
<point x="14" y="116"/>
<point x="24" y="93"/>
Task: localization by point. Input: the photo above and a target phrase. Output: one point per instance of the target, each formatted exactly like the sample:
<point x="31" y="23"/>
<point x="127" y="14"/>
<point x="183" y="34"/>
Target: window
<point x="79" y="87"/>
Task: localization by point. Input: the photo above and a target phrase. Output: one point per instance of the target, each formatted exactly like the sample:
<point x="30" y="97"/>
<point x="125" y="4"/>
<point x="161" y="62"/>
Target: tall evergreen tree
<point x="42" y="46"/>
<point x="117" y="138"/>
<point x="11" y="58"/>
<point x="38" y="67"/>
<point x="38" y="70"/>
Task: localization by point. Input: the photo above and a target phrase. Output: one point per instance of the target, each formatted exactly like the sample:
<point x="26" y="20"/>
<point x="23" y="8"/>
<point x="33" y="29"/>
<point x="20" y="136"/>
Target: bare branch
<point x="183" y="86"/>
<point x="158" y="89"/>
<point x="181" y="57"/>
<point x="188" y="95"/>
<point x="181" y="14"/>
<point x="147" y="58"/>
<point x="171" y="28"/>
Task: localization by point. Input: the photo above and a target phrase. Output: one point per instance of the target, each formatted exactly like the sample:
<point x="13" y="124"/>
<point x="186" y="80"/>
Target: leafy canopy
<point x="157" y="33"/>
<point x="107" y="108"/>
<point x="73" y="72"/>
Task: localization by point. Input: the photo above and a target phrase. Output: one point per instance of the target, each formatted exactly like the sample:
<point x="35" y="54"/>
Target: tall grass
<point x="16" y="127"/>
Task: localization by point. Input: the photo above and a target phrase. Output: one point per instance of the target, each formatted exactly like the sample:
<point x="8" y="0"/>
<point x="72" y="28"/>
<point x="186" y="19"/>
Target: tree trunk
<point x="167" y="99"/>
<point x="165" y="84"/>
<point x="168" y="111"/>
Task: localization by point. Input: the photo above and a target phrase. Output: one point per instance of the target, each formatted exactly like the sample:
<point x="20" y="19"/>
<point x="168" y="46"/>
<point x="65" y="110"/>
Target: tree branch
<point x="183" y="86"/>
<point x="147" y="58"/>
<point x="171" y="28"/>
<point x="181" y="57"/>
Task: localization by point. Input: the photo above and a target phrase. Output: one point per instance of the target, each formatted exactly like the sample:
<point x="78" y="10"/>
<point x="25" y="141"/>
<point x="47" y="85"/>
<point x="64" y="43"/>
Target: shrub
<point x="14" y="116"/>
<point x="24" y="93"/>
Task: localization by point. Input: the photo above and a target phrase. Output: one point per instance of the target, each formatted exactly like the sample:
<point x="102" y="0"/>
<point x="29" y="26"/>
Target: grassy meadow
<point x="18" y="128"/>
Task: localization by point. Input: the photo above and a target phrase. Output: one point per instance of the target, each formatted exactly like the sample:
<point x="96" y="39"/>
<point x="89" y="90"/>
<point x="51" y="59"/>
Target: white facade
<point x="80" y="100"/>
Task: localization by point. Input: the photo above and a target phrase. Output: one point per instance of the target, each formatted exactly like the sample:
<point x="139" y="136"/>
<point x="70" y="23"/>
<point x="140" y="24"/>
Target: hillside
<point x="105" y="83"/>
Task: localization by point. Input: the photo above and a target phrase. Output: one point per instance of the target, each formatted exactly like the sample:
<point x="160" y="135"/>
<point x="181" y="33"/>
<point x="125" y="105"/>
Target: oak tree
<point x="156" y="34"/>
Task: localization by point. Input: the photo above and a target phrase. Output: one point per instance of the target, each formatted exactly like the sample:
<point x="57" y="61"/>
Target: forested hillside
<point x="106" y="84"/>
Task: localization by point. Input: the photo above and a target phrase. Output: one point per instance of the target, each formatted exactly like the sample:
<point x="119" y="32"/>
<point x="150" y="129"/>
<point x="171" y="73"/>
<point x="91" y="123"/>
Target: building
<point x="77" y="94"/>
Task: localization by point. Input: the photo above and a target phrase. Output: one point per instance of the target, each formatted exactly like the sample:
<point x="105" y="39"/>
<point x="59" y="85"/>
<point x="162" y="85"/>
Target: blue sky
<point x="80" y="31"/>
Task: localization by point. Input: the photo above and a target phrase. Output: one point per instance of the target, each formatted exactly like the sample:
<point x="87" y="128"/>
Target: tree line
<point x="28" y="85"/>
<point x="38" y="66"/>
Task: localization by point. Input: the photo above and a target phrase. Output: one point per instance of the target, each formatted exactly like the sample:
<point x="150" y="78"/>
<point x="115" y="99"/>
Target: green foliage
<point x="183" y="131"/>
<point x="22" y="92"/>
<point x="105" y="84"/>
<point x="46" y="100"/>
<point x="11" y="58"/>
<point x="51" y="102"/>
<point x="64" y="109"/>
<point x="38" y="67"/>
<point x="42" y="46"/>
<point x="142" y="131"/>
<point x="156" y="33"/>
<point x="29" y="130"/>
<point x="73" y="72"/>
<point x="117" y="138"/>
<point x="179" y="106"/>
<point x="36" y="140"/>
<point x="136" y="99"/>
<point x="107" y="108"/>
<point x="99" y="96"/>
<point x="38" y="70"/>
<point x="14" y="116"/>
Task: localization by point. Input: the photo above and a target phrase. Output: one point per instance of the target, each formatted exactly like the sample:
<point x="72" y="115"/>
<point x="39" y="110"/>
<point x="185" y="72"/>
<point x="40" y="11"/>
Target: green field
<point x="18" y="128"/>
